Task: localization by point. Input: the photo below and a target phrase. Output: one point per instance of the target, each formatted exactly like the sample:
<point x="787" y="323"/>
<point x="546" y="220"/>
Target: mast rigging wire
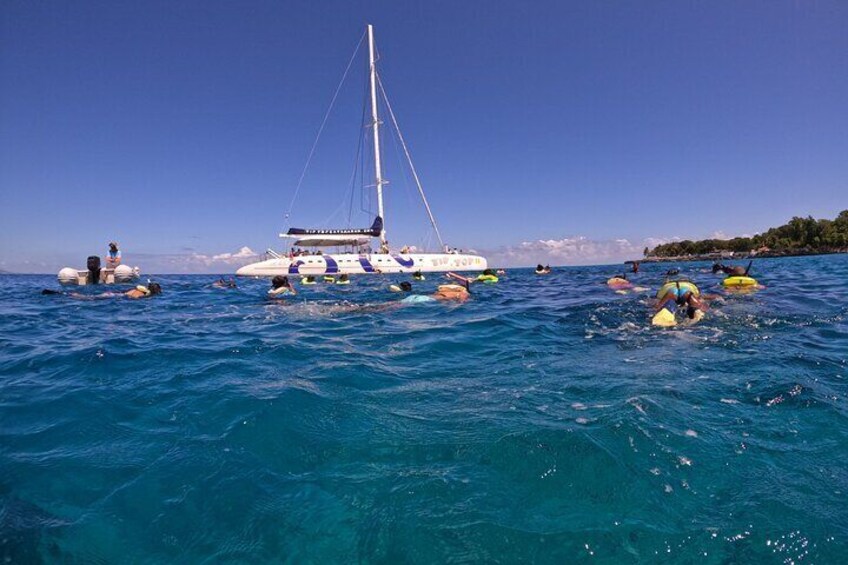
<point x="409" y="159"/>
<point x="321" y="129"/>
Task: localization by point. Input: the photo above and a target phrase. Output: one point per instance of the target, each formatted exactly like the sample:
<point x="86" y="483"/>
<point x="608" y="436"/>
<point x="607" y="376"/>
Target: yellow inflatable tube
<point x="684" y="286"/>
<point x="739" y="281"/>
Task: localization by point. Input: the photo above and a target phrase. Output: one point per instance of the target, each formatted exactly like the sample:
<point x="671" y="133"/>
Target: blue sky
<point x="563" y="132"/>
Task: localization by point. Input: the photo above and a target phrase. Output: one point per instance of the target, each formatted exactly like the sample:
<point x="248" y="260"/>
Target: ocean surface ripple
<point x="544" y="420"/>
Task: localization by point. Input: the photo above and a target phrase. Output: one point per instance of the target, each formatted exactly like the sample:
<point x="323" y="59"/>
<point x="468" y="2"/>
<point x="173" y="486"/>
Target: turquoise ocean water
<point x="543" y="420"/>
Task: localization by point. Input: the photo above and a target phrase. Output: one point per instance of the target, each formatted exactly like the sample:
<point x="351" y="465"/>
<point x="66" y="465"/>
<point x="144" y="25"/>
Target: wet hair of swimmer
<point x="406" y="286"/>
<point x="488" y="272"/>
<point x="154" y="288"/>
<point x="717" y="267"/>
<point x="343" y="277"/>
<point x="280" y="281"/>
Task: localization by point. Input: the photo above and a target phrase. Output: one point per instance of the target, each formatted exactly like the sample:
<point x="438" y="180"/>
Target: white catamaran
<point x="355" y="255"/>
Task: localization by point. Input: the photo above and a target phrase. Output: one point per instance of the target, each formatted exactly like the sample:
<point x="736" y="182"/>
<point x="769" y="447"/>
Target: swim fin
<point x="664" y="318"/>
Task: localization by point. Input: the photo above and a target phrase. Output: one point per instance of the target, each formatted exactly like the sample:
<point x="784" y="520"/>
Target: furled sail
<point x="374" y="231"/>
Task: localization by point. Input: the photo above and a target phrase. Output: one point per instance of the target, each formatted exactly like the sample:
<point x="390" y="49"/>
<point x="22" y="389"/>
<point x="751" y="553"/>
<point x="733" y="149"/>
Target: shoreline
<point x="734" y="257"/>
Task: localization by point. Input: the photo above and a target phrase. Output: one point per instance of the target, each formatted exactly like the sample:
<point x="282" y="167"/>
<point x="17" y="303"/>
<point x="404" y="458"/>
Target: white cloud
<point x="180" y="263"/>
<point x="578" y="250"/>
<point x="243" y="253"/>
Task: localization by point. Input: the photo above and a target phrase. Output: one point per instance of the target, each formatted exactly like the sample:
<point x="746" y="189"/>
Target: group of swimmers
<point x="282" y="286"/>
<point x="675" y="295"/>
<point x="149" y="290"/>
<point x="681" y="295"/>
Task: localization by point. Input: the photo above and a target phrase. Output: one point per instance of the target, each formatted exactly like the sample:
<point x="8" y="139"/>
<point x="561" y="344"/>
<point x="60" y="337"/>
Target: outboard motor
<point x="93" y="266"/>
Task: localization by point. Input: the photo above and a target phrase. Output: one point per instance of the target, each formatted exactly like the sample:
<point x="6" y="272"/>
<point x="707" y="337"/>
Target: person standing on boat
<point x="113" y="258"/>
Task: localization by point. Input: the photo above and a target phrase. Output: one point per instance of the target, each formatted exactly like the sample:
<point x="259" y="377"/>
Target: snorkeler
<point x="456" y="292"/>
<point x="675" y="294"/>
<point x="619" y="281"/>
<point x="404" y="286"/>
<point x="221" y="283"/>
<point x="444" y="292"/>
<point x="281" y="285"/>
<point x="540" y="270"/>
<point x="140" y="291"/>
<point x="732" y="271"/>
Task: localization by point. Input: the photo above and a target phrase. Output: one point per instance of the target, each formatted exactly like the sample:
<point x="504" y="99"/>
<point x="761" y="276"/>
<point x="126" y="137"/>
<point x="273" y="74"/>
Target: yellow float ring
<point x="739" y="281"/>
<point x="684" y="285"/>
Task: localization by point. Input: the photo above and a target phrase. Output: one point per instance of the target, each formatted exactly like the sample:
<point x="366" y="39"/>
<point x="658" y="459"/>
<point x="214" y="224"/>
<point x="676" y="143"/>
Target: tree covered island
<point x="800" y="236"/>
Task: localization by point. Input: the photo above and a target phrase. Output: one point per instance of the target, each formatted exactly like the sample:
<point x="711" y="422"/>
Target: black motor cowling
<point x="93" y="266"/>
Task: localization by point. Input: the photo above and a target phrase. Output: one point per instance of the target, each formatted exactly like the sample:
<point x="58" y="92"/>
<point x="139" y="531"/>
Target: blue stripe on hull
<point x="366" y="266"/>
<point x="404" y="263"/>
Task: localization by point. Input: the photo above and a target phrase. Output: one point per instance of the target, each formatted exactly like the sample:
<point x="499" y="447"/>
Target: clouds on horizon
<point x="194" y="262"/>
<point x="576" y="250"/>
<point x="187" y="262"/>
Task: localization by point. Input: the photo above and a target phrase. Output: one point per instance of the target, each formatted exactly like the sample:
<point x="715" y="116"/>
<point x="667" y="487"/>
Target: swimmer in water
<point x="454" y="291"/>
<point x="140" y="291"/>
<point x="404" y="286"/>
<point x="221" y="283"/>
<point x="619" y="281"/>
<point x="281" y="285"/>
<point x="683" y="296"/>
<point x="444" y="292"/>
<point x="732" y="271"/>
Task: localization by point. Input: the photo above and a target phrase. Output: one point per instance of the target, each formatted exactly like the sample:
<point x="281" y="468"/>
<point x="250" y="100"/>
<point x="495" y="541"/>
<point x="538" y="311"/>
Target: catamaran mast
<point x="378" y="171"/>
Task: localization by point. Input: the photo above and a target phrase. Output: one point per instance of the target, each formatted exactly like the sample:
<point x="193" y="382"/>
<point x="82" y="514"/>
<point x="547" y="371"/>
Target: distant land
<point x="800" y="236"/>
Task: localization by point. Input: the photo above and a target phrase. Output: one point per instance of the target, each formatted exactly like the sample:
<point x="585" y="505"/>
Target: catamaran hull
<point x="361" y="264"/>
